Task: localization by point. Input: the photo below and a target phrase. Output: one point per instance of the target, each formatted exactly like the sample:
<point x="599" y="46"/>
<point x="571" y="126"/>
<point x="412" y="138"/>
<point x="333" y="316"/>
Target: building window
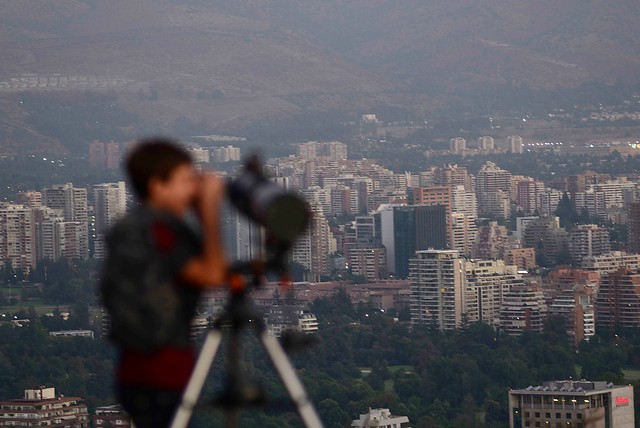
<point x="568" y="415"/>
<point x="537" y="414"/>
<point x="579" y="415"/>
<point x="558" y="416"/>
<point x="547" y="415"/>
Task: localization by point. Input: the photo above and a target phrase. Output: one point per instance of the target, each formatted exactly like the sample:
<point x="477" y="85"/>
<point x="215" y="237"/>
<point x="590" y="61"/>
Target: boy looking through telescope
<point x="155" y="270"/>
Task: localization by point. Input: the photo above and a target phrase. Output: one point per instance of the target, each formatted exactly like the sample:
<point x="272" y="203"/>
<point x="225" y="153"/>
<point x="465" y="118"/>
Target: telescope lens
<point x="287" y="218"/>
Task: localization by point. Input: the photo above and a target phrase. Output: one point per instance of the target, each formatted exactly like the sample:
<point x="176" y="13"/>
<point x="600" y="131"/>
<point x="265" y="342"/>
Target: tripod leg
<point x="291" y="381"/>
<point x="203" y="365"/>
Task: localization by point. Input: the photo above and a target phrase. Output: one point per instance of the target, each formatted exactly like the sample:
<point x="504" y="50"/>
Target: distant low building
<point x="42" y="407"/>
<point x="575" y="404"/>
<point x="111" y="416"/>
<point x="380" y="418"/>
<point x="69" y="333"/>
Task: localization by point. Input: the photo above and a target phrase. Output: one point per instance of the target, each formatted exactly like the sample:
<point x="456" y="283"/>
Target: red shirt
<point x="167" y="368"/>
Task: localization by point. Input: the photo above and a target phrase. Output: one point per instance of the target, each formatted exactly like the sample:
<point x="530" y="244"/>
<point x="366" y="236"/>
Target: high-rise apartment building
<point x="458" y="145"/>
<point x="576" y="307"/>
<point x="493" y="188"/>
<point x="491" y="242"/>
<point x="313" y="247"/>
<point x="487" y="283"/>
<point x="109" y="204"/>
<point x="72" y="204"/>
<point x="523" y="309"/>
<point x="514" y="144"/>
<point x="438" y="281"/>
<point x="17" y="237"/>
<point x="464" y="233"/>
<point x="610" y="262"/>
<point x="618" y="300"/>
<point x="332" y="150"/>
<point x="486" y="144"/>
<point x="464" y="201"/>
<point x="453" y="175"/>
<point x="633" y="224"/>
<point x="528" y="193"/>
<point x="588" y="240"/>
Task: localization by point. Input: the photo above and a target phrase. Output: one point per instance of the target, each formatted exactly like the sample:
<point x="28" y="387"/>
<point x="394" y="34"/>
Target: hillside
<point x="226" y="63"/>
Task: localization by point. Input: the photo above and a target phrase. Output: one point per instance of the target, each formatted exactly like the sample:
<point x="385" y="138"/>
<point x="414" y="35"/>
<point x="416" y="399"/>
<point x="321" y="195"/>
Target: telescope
<point x="282" y="213"/>
<point x="285" y="216"/>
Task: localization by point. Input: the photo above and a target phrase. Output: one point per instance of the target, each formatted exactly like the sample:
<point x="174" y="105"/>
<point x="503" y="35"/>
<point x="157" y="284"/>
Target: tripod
<point x="239" y="314"/>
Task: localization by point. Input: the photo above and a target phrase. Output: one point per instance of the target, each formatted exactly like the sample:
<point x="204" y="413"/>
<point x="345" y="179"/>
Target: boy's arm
<point x="209" y="269"/>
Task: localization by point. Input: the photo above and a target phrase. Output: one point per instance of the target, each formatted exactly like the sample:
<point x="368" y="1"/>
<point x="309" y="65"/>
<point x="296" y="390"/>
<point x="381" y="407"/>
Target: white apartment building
<point x="438" y="281"/>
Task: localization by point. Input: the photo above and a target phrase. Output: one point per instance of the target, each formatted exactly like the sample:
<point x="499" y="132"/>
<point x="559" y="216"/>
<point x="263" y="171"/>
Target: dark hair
<point x="155" y="157"/>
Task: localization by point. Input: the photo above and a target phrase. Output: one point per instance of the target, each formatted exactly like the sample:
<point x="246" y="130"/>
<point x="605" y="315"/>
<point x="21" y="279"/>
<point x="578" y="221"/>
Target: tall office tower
<point x="17" y="240"/>
<point x="633" y="224"/>
<point x="458" y="145"/>
<point x="454" y="175"/>
<point x="464" y="201"/>
<point x="528" y="193"/>
<point x="438" y="281"/>
<point x="514" y="144"/>
<point x="405" y="229"/>
<point x="576" y="307"/>
<point x="493" y="187"/>
<point x="464" y="233"/>
<point x="488" y="281"/>
<point x="72" y="203"/>
<point x="491" y="242"/>
<point x="313" y="247"/>
<point x="523" y="309"/>
<point x="588" y="240"/>
<point x="486" y="144"/>
<point x="109" y="204"/>
<point x="434" y="196"/>
<point x="618" y="300"/>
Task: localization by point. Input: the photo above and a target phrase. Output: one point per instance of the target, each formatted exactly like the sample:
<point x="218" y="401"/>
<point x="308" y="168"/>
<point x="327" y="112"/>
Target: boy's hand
<point x="212" y="192"/>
